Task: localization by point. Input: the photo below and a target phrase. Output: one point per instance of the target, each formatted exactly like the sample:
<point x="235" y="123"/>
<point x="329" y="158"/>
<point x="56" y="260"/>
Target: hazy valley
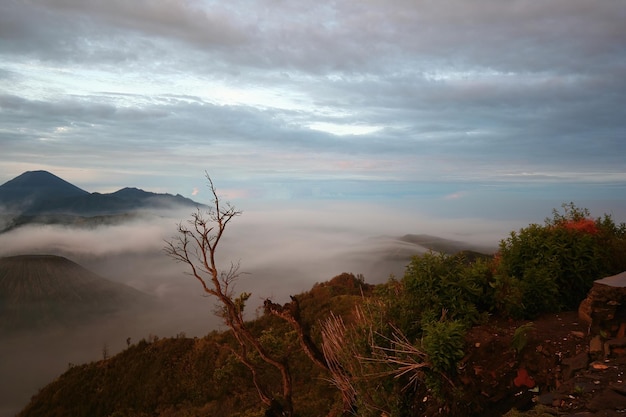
<point x="122" y="241"/>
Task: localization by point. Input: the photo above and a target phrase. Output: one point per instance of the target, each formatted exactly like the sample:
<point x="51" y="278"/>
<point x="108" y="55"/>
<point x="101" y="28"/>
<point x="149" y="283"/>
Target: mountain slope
<point x="196" y="377"/>
<point x="34" y="187"/>
<point x="44" y="290"/>
<point x="380" y="256"/>
<point x="199" y="377"/>
<point x="443" y="245"/>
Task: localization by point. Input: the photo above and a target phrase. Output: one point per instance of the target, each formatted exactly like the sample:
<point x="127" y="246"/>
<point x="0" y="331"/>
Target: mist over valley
<point x="279" y="255"/>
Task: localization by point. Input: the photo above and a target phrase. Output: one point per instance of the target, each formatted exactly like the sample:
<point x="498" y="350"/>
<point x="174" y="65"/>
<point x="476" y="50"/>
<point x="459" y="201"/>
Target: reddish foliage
<point x="496" y="261"/>
<point x="523" y="379"/>
<point x="583" y="225"/>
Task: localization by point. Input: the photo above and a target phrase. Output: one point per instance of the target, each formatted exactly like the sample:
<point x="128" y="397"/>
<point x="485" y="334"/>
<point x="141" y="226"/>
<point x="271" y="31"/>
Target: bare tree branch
<point x="196" y="245"/>
<point x="290" y="312"/>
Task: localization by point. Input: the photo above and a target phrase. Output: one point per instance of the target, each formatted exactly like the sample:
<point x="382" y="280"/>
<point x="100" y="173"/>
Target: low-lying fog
<point x="282" y="251"/>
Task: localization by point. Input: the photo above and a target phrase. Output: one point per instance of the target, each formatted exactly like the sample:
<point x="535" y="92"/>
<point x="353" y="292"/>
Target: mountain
<point x="38" y="291"/>
<point x="443" y="245"/>
<point x="136" y="196"/>
<point x="33" y="188"/>
<point x="379" y="256"/>
<point x="42" y="197"/>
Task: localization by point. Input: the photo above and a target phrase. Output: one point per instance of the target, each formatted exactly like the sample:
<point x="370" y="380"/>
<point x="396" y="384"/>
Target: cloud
<point x="283" y="249"/>
<point x="102" y="241"/>
<point x="455" y="196"/>
<point x="323" y="38"/>
<point x="152" y="94"/>
<point x="266" y="236"/>
<point x="187" y="20"/>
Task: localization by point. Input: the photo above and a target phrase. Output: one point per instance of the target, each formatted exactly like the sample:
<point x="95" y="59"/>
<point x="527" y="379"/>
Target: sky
<point x="454" y="109"/>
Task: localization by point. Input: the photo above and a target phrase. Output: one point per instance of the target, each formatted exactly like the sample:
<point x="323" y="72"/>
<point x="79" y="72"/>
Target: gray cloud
<point x="350" y="37"/>
<point x="158" y="92"/>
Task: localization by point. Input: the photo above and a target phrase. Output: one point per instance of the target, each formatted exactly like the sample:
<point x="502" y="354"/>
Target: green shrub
<point x="508" y="296"/>
<point x="444" y="343"/>
<point x="521" y="336"/>
<point x="553" y="266"/>
<point x="434" y="283"/>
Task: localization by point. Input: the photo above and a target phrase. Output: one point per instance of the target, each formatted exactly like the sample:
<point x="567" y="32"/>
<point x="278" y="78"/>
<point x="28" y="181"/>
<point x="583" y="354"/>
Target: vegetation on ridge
<point x="396" y="349"/>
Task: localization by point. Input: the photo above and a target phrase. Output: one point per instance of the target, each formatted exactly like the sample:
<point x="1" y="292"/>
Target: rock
<point x="546" y="399"/>
<point x="599" y="366"/>
<point x="596" y="348"/>
<point x="607" y="400"/>
<point x="584" y="310"/>
<point x="576" y="363"/>
<point x="616" y="347"/>
<point x="619" y="387"/>
<point x="604" y="309"/>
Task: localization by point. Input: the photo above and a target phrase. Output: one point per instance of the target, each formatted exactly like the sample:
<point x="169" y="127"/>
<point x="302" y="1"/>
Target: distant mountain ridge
<point x="443" y="245"/>
<point x="40" y="196"/>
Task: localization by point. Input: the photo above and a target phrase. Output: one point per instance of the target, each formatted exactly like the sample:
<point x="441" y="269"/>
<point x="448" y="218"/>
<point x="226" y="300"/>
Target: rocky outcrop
<point x="604" y="310"/>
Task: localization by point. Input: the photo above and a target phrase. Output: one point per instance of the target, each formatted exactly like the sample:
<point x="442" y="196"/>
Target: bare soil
<point x="550" y="366"/>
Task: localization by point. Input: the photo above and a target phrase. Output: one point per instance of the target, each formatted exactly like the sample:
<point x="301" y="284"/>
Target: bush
<point x="444" y="343"/>
<point x="521" y="336"/>
<point x="434" y="283"/>
<point x="553" y="266"/>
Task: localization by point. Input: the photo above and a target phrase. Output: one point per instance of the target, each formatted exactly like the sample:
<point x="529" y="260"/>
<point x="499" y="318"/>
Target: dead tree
<point x="196" y="245"/>
<point x="290" y="312"/>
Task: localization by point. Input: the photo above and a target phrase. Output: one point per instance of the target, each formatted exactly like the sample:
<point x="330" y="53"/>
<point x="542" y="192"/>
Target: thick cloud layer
<point x="278" y="253"/>
<point x="272" y="96"/>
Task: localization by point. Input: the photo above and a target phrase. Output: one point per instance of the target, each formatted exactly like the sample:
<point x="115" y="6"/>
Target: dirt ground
<point x="546" y="362"/>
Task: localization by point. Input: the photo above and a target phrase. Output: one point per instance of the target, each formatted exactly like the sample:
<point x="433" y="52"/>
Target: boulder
<point x="604" y="310"/>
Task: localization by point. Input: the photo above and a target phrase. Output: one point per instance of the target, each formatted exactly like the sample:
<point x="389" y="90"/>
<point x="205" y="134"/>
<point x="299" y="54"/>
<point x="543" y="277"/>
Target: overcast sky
<point x="476" y="108"/>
